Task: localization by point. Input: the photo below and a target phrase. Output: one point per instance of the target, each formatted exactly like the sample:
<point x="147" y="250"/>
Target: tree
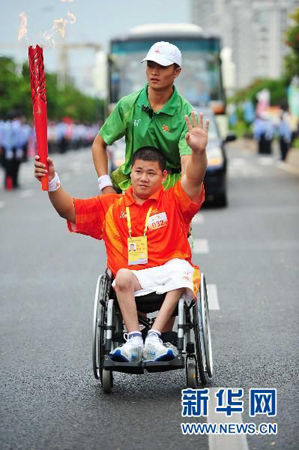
<point x="14" y="91"/>
<point x="16" y="96"/>
<point x="292" y="40"/>
<point x="277" y="88"/>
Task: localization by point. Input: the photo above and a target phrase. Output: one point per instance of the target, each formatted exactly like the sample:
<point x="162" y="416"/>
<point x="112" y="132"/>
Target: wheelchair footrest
<point x="162" y="366"/>
<point x="150" y="366"/>
<point x="130" y="367"/>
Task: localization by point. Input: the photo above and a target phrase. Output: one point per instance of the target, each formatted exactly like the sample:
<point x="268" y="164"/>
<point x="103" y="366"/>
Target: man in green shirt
<point x="153" y="116"/>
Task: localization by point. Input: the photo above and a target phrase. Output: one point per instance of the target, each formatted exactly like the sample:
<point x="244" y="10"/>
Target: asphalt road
<point x="49" y="398"/>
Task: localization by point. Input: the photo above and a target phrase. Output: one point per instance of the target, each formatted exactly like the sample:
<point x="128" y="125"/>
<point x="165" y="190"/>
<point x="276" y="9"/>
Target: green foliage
<point x="277" y="88"/>
<point x="15" y="96"/>
<point x="278" y="96"/>
<point x="241" y="128"/>
<point x="292" y="40"/>
<point x="11" y="87"/>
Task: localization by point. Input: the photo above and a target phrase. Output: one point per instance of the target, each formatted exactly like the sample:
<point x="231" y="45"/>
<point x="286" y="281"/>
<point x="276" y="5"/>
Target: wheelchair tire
<point x="107" y="381"/>
<point x="99" y="316"/>
<point x="206" y="327"/>
<point x="201" y="321"/>
<point x="191" y="372"/>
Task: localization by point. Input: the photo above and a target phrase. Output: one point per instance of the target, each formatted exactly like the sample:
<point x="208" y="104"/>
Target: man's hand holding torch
<point x="60" y="199"/>
<point x="41" y="170"/>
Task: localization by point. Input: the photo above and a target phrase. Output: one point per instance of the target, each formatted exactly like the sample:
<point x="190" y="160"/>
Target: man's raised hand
<point x="197" y="136"/>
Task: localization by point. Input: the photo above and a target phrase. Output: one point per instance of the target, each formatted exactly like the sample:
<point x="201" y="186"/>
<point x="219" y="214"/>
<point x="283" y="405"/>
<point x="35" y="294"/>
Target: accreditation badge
<point x="137" y="250"/>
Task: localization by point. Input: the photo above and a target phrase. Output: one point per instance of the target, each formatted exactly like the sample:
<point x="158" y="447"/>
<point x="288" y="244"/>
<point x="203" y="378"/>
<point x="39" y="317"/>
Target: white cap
<point x="164" y="53"/>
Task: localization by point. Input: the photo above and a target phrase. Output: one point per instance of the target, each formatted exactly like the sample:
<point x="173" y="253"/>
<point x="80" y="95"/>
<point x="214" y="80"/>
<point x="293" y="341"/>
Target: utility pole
<point x="63" y="71"/>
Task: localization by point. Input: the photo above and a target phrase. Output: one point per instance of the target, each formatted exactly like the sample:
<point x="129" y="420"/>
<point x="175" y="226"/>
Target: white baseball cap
<point x="164" y="53"/>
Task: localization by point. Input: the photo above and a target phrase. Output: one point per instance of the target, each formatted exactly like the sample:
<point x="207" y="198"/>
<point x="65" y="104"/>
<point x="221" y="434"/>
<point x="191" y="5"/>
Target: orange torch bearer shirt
<point x="104" y="217"/>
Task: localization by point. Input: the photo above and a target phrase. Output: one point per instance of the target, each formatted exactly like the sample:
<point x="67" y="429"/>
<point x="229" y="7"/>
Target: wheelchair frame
<point x="193" y="337"/>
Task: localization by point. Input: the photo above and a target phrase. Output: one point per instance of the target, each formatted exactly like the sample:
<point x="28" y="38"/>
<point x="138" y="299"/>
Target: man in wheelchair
<point x="145" y="234"/>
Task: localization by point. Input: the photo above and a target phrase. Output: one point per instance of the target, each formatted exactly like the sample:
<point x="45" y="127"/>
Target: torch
<point x="39" y="105"/>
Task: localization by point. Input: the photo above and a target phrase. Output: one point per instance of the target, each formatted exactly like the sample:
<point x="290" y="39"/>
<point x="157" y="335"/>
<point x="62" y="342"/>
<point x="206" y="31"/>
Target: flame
<point x="23" y="26"/>
<point x="72" y="18"/>
<point x="59" y="26"/>
<point x="49" y="38"/>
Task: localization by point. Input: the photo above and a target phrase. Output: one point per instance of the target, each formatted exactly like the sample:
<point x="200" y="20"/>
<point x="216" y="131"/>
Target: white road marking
<point x="200" y="246"/>
<point x="213" y="297"/>
<point x="2" y="204"/>
<point x="241" y="168"/>
<point x="27" y="193"/>
<point x="198" y="219"/>
<point x="237" y="162"/>
<point x="266" y="160"/>
<point x="224" y="441"/>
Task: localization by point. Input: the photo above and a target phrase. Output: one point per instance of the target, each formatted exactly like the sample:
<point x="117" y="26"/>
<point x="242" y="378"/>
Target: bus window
<point x="200" y="81"/>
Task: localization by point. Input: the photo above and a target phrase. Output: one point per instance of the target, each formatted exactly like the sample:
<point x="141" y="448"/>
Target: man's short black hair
<point x="150" y="154"/>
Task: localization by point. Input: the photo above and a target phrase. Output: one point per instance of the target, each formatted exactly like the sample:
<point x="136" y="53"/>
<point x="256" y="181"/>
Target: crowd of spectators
<point x="18" y="142"/>
<point x="266" y="127"/>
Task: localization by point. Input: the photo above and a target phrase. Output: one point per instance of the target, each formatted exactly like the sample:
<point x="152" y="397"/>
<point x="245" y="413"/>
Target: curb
<point x="293" y="158"/>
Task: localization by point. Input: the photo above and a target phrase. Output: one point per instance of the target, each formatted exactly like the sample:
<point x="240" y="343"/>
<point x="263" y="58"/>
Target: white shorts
<point x="175" y="274"/>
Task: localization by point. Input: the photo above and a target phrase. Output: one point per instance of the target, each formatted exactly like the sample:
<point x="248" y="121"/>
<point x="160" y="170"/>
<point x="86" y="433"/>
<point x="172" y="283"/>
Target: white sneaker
<point x="131" y="351"/>
<point x="155" y="350"/>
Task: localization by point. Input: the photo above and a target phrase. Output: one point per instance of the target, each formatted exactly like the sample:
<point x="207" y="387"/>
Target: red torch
<point x="39" y="105"/>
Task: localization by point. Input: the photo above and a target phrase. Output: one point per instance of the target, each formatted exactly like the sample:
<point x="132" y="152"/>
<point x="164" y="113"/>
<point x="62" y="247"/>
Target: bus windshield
<point x="200" y="81"/>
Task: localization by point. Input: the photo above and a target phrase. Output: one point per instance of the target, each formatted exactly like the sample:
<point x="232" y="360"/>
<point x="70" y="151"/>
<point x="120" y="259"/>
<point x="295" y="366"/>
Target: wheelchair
<point x="192" y="338"/>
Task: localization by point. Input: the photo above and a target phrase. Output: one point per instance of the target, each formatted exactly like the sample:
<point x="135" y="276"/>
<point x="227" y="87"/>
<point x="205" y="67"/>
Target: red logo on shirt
<point x="165" y="128"/>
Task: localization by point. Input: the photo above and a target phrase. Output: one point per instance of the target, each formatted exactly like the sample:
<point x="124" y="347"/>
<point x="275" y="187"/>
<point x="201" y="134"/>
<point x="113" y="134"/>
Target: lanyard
<point x="129" y="220"/>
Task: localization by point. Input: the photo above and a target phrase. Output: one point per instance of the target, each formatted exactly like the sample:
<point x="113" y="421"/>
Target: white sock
<point x="137" y="337"/>
<point x="153" y="334"/>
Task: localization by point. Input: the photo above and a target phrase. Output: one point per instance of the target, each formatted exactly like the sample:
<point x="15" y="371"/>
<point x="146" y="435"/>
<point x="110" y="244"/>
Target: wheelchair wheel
<point x="206" y="327"/>
<point x="107" y="381"/>
<point x="99" y="318"/>
<point x="202" y="334"/>
<point x="191" y="372"/>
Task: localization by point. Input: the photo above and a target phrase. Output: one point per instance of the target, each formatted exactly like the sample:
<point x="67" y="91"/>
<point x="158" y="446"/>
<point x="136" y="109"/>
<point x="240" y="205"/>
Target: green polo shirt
<point x="166" y="130"/>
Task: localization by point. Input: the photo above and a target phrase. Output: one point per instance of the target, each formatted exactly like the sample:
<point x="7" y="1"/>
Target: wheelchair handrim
<point x="206" y="327"/>
<point x="96" y="371"/>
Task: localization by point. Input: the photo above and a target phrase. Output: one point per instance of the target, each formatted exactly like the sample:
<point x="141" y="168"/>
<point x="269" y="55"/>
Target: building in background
<point x="252" y="29"/>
